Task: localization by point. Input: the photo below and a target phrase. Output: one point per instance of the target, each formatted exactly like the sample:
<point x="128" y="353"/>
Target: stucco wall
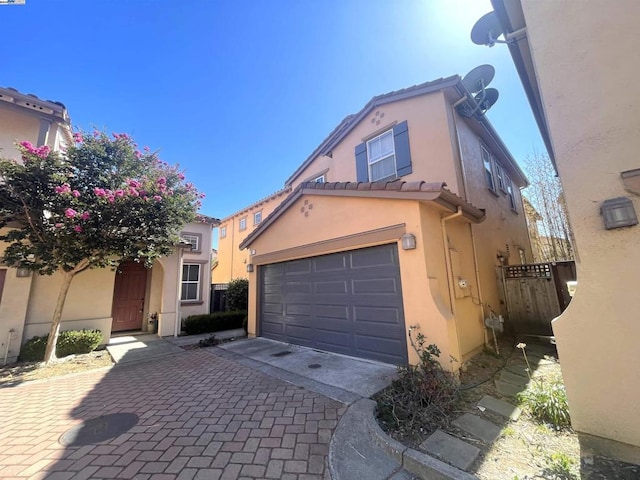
<point x="232" y="262"/>
<point x="587" y="71"/>
<point x="422" y="269"/>
<point x="88" y="303"/>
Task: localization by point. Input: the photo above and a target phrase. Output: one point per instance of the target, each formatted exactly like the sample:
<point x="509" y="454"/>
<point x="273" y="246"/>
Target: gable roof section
<point x="273" y="196"/>
<point x="453" y="82"/>
<point x="397" y="189"/>
<point x="32" y="103"/>
<point x="350" y="121"/>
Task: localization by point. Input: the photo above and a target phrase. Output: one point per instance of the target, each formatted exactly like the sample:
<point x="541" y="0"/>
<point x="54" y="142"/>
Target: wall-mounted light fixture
<point x="618" y="212"/>
<point x="408" y="241"/>
<point x="249" y="267"/>
<point x="23" y="272"/>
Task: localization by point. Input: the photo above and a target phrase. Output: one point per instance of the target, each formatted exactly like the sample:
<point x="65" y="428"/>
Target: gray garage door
<point x="349" y="302"/>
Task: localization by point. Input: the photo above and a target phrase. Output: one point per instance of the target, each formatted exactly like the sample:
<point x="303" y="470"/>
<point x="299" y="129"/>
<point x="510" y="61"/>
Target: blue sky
<point x="240" y="92"/>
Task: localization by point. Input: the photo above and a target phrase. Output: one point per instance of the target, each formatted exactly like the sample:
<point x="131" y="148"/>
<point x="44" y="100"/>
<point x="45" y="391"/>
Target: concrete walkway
<point x="140" y="347"/>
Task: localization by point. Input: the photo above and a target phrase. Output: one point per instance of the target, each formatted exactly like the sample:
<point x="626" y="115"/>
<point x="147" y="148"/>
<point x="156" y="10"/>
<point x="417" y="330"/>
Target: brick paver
<point x="201" y="417"/>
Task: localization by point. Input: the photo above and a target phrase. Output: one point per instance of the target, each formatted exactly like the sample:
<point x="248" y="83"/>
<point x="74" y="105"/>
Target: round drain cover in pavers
<point x="315" y="365"/>
<point x="98" y="429"/>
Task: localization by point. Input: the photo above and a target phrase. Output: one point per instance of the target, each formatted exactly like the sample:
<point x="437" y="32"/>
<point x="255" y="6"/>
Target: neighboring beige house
<point x="176" y="287"/>
<point x="578" y="62"/>
<point x="394" y="225"/>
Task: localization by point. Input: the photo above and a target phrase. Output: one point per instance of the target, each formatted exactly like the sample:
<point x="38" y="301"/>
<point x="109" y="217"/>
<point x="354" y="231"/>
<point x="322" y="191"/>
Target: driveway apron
<point x="196" y="415"/>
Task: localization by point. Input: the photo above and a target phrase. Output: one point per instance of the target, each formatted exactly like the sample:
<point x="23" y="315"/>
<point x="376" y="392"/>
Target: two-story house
<point x="176" y="287"/>
<point x="393" y="226"/>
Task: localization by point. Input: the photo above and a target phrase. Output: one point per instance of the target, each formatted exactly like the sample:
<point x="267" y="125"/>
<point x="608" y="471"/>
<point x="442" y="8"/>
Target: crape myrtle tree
<point x="93" y="205"/>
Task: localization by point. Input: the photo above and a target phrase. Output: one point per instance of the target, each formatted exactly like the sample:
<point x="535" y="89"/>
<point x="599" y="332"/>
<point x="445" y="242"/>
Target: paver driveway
<point x="201" y="416"/>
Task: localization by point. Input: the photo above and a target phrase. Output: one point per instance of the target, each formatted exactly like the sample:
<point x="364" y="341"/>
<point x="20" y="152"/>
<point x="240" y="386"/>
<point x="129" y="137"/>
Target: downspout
<point x="176" y="328"/>
<point x="447" y="256"/>
<point x="473" y="236"/>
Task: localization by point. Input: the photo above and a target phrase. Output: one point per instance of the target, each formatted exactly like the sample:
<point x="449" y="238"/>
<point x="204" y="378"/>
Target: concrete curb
<point x="359" y="430"/>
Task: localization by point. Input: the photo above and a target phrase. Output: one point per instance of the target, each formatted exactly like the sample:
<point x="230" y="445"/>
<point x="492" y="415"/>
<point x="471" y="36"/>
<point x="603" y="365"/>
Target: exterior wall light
<point x="618" y="212"/>
<point x="23" y="272"/>
<point x="249" y="267"/>
<point x="408" y="241"/>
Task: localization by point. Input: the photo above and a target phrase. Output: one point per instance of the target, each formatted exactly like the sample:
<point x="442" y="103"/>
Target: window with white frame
<point x="488" y="170"/>
<point x="193" y="240"/>
<point x="320" y="179"/>
<point x="223" y="232"/>
<point x="190" y="282"/>
<point x="242" y="225"/>
<point x="510" y="195"/>
<point x="381" y="157"/>
<point x="500" y="173"/>
<point x="257" y="217"/>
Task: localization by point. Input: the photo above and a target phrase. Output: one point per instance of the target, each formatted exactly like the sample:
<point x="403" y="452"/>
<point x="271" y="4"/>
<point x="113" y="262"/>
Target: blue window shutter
<point x="403" y="155"/>
<point x="362" y="167"/>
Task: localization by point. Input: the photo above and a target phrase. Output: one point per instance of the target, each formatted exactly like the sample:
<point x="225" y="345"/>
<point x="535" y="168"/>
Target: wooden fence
<point x="535" y="294"/>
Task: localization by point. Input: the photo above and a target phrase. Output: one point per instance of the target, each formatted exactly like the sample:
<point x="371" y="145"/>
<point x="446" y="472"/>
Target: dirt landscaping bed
<point x="526" y="449"/>
<point x="21" y="372"/>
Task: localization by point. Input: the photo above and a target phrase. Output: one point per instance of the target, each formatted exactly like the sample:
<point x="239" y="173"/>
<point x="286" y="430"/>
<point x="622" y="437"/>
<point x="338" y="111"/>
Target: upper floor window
<point x="488" y="170"/>
<point x="320" y="179"/>
<point x="381" y="156"/>
<point x="190" y="282"/>
<point x="385" y="156"/>
<point x="223" y="232"/>
<point x="500" y="173"/>
<point x="510" y="194"/>
<point x="243" y="224"/>
<point x="257" y="217"/>
<point x="193" y="240"/>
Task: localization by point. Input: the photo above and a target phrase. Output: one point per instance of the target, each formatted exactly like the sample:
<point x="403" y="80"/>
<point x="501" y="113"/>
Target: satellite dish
<point x="486" y="99"/>
<point x="487" y="30"/>
<point x="479" y="78"/>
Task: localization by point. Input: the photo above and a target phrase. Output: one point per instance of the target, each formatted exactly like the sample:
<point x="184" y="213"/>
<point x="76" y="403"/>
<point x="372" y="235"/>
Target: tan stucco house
<point x="578" y="63"/>
<point x="393" y="226"/>
<point x="176" y="287"/>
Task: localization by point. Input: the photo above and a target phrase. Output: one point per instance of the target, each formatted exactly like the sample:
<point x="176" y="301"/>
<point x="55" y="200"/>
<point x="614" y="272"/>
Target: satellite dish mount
<point x="488" y="29"/>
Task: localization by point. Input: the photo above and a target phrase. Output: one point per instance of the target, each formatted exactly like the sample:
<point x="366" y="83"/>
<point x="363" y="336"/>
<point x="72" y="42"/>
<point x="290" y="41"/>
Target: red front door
<point x="128" y="297"/>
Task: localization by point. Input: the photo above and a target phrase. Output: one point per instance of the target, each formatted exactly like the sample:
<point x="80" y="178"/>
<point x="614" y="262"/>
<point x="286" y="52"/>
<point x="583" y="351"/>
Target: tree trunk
<point x="50" y="352"/>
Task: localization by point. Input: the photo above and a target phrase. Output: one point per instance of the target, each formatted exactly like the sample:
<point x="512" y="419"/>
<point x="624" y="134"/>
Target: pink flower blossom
<point x="119" y="193"/>
<point x="138" y="154"/>
<point x="70" y="213"/>
<point x="64" y="188"/>
<point x="146" y="149"/>
<point x="77" y="228"/>
<point x="75" y="193"/>
<point x="157" y="198"/>
<point x="133" y="183"/>
<point x="99" y="192"/>
<point x="181" y="176"/>
<point x="58" y="225"/>
<point x="43" y="151"/>
<point x="111" y="199"/>
<point x="77" y="137"/>
<point x="84" y="216"/>
<point x="161" y="181"/>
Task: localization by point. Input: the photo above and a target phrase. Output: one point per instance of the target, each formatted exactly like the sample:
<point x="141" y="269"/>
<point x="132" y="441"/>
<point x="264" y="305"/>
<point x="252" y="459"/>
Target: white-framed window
<point x="242" y="225"/>
<point x="193" y="240"/>
<point x="500" y="173"/>
<point x="488" y="170"/>
<point x="381" y="157"/>
<point x="320" y="179"/>
<point x="523" y="256"/>
<point x="510" y="195"/>
<point x="257" y="217"/>
<point x="190" y="282"/>
<point x="223" y="231"/>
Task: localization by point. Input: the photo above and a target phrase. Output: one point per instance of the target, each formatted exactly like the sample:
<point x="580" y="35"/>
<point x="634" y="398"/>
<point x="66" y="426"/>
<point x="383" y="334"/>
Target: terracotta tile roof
<point x="30" y="101"/>
<point x="258" y="203"/>
<point x="435" y="192"/>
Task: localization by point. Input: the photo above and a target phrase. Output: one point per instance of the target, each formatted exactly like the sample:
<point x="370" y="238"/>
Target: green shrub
<point x="69" y="342"/>
<point x="547" y="402"/>
<point x="213" y="322"/>
<point x="238" y="294"/>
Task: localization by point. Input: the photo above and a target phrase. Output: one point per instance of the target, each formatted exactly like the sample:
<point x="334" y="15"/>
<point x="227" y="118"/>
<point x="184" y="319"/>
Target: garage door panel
<point x="349" y="302"/>
<point x="329" y="263"/>
<point x="377" y="286"/>
<point x="336" y="286"/>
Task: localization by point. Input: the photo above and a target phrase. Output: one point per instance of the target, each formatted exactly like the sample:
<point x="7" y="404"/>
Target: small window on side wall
<point x="510" y="194"/>
<point x="257" y="217"/>
<point x="193" y="240"/>
<point x="488" y="170"/>
<point x="242" y="225"/>
<point x="223" y="231"/>
<point x="320" y="179"/>
<point x="500" y="173"/>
